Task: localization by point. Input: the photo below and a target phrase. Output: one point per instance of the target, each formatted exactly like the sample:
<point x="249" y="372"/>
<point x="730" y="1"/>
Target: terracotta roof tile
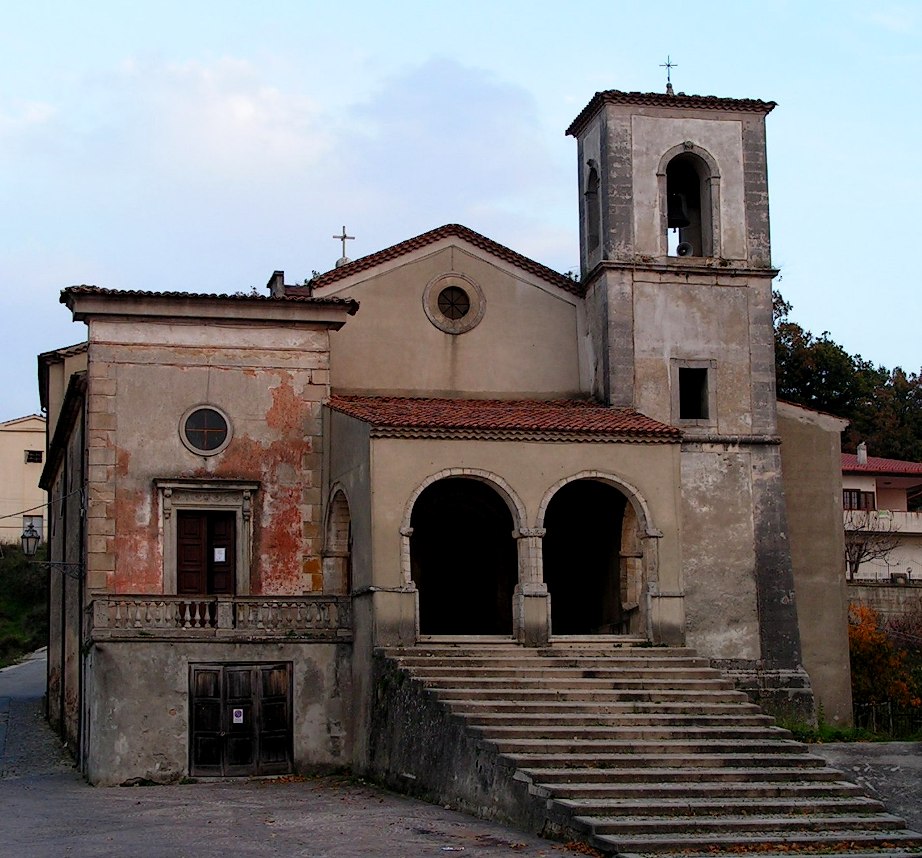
<point x="661" y="99"/>
<point x="877" y="465"/>
<point x="572" y="417"/>
<point x="202" y="296"/>
<point x="420" y="241"/>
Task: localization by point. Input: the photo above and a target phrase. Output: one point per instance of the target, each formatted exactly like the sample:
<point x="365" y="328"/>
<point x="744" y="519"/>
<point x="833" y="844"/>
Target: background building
<point x="22" y="454"/>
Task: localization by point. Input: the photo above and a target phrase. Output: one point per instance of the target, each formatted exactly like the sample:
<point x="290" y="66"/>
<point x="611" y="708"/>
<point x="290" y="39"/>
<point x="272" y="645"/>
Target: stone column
<point x="531" y="602"/>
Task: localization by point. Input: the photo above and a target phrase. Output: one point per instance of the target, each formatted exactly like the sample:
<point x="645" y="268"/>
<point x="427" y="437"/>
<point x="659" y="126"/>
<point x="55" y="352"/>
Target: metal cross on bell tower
<point x="669" y="65"/>
<point x="343" y="238"/>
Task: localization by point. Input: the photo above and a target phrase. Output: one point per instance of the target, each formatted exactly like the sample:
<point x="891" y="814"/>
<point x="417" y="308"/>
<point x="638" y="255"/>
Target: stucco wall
<point x="269" y="381"/>
<point x="811" y="461"/>
<point x="889" y="600"/>
<point x="529" y="473"/>
<point x="138" y="715"/>
<point x="19" y="489"/>
<point x="525" y="345"/>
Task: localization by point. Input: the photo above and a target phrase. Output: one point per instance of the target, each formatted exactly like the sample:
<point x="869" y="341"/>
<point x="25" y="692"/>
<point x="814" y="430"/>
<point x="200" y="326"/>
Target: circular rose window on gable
<point x="454" y="303"/>
<point x="205" y="430"/>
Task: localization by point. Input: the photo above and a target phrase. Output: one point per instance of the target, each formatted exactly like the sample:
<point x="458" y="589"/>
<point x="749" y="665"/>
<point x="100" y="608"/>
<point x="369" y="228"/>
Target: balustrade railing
<point x="287" y="616"/>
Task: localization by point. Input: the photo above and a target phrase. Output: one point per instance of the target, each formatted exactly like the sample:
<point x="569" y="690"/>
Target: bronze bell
<point x="677" y="212"/>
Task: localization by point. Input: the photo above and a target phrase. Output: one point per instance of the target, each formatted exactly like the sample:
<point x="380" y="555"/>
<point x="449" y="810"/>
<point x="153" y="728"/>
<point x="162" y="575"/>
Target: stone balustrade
<point x="241" y="617"/>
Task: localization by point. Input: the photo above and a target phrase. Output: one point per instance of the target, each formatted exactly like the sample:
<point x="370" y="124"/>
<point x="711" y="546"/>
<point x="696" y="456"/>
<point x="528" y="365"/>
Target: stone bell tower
<point x="675" y="256"/>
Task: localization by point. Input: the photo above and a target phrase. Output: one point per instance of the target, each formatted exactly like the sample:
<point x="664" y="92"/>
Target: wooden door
<point x="240" y="720"/>
<point x="206" y="551"/>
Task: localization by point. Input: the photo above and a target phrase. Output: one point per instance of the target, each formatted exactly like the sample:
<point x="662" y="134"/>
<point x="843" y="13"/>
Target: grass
<point x="23" y="605"/>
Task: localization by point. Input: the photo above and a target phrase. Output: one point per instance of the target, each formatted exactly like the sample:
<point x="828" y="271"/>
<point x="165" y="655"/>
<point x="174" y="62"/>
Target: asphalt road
<point x="48" y="811"/>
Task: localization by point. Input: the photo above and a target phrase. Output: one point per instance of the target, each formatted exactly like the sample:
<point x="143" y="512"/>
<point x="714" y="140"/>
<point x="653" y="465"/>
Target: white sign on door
<point x="238" y="716"/>
<point x="220" y="555"/>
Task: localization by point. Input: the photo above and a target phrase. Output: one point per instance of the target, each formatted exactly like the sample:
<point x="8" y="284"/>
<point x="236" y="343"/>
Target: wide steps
<point x="644" y="751"/>
<point x="625" y="775"/>
<point x="730" y="790"/>
<point x="600" y="810"/>
<point x="499" y="708"/>
<point x="500" y="691"/>
<point x="644" y="746"/>
<point x="762" y="823"/>
<point x="690" y="765"/>
<point x="496" y="720"/>
<point x="759" y="841"/>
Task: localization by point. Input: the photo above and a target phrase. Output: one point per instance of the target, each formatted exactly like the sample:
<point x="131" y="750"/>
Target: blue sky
<point x="201" y="145"/>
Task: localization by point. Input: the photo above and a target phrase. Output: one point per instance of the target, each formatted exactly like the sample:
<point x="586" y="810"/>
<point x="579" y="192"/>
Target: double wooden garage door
<point x="240" y="720"/>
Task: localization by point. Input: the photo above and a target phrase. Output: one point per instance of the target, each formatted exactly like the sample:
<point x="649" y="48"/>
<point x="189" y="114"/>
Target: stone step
<point x="618" y="662"/>
<point x="760" y="823"/>
<point x="551" y="776"/>
<point x="555" y="650"/>
<point x="617" y="719"/>
<point x="758" y="841"/>
<point x="718" y="789"/>
<point x="688" y="697"/>
<point x="515" y="673"/>
<point x="593" y="733"/>
<point x="600" y="809"/>
<point x="638" y="709"/>
<point x="683" y="763"/>
<point x="567" y="683"/>
<point x="641" y="746"/>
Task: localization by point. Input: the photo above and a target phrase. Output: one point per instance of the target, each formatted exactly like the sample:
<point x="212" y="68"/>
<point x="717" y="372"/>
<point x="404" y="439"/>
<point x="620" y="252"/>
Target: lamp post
<point x="30" y="539"/>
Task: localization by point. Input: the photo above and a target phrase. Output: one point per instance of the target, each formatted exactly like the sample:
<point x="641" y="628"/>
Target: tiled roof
<point x="420" y="241"/>
<point x="577" y="419"/>
<point x="203" y="296"/>
<point x="661" y="99"/>
<point x="877" y="465"/>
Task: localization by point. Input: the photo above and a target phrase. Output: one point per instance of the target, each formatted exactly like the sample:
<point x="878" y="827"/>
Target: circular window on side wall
<point x="205" y="430"/>
<point x="454" y="303"/>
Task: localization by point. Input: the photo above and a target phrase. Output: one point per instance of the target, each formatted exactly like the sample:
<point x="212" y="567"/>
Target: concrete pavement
<point x="48" y="811"/>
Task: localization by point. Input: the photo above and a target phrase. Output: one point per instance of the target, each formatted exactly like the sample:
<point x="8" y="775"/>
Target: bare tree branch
<point x="869" y="535"/>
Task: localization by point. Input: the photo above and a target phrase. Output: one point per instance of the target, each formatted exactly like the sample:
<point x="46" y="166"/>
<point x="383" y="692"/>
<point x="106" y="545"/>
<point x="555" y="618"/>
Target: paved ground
<point x="47" y="809"/>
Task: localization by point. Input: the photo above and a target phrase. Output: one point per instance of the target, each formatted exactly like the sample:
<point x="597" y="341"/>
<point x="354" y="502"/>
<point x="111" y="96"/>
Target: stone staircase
<point x="633" y="750"/>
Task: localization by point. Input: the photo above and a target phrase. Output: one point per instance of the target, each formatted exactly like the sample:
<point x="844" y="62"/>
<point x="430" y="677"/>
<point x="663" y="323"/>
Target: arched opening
<point x="593" y="212"/>
<point x="592" y="560"/>
<point x="463" y="559"/>
<point x="688" y="207"/>
<point x="337" y="552"/>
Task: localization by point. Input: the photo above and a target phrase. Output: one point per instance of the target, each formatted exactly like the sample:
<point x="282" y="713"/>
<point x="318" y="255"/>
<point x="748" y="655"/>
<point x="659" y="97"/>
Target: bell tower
<point x="675" y="259"/>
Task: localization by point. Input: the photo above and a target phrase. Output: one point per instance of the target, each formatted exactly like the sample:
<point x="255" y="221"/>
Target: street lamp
<point x="30" y="539"/>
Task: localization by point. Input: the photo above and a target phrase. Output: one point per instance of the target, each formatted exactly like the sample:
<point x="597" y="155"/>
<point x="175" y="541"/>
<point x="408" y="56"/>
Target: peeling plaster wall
<point x="269" y="380"/>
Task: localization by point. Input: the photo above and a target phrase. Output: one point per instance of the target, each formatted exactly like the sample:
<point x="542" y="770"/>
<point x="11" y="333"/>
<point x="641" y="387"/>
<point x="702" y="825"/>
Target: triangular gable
<point x="411" y="245"/>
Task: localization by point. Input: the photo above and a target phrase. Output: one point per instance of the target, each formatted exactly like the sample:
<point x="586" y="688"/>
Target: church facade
<point x="444" y="438"/>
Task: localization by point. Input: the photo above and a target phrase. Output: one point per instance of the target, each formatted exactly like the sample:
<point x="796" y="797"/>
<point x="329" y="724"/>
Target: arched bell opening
<point x="592" y="560"/>
<point x="463" y="558"/>
<point x="690" y="198"/>
<point x="337" y="551"/>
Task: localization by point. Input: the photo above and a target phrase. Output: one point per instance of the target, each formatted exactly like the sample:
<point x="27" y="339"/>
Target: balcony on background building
<point x="240" y="618"/>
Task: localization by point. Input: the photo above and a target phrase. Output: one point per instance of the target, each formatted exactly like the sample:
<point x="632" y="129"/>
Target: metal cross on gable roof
<point x="344" y="238"/>
<point x="669" y="65"/>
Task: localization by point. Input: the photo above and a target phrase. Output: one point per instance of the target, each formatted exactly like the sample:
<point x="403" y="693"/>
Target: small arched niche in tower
<point x="691" y="187"/>
<point x="593" y="210"/>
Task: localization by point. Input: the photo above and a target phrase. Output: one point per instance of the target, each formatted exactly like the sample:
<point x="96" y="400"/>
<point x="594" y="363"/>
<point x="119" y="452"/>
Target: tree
<point x="883" y="407"/>
<point x="879" y="670"/>
<point x="869" y="535"/>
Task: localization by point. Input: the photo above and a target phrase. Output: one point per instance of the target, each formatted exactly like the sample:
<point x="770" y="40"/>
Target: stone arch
<point x="463" y="548"/>
<point x="506" y="492"/>
<point x="337" y="548"/>
<point x="692" y="171"/>
<point x="633" y="555"/>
